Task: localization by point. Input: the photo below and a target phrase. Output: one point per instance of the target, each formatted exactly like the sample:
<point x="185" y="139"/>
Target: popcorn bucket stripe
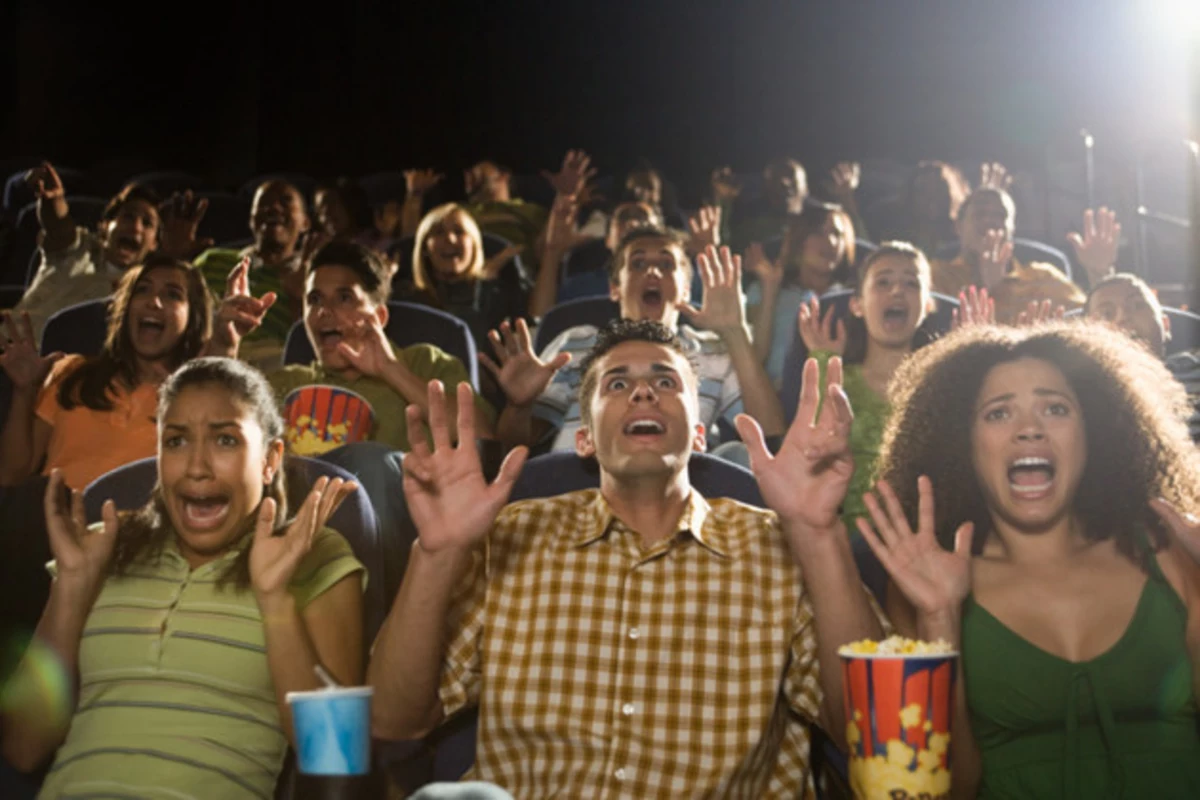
<point x="916" y="693"/>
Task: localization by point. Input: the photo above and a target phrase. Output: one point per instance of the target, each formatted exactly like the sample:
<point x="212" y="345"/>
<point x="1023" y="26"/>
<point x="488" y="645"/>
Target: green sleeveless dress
<point x="1122" y="725"/>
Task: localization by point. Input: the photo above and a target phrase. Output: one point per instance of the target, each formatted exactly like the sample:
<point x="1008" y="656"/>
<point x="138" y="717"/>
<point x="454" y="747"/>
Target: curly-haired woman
<point x="1063" y="476"/>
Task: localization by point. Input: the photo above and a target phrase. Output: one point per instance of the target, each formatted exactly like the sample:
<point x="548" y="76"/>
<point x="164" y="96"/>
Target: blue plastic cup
<point x="333" y="730"/>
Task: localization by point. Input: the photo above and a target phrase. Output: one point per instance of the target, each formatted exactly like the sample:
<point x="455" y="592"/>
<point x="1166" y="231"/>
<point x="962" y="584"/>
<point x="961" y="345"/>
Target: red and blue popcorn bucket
<point x="898" y="713"/>
<point x="321" y="418"/>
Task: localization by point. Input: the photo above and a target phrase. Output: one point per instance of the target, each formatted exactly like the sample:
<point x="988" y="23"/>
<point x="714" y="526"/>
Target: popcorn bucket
<point x="898" y="712"/>
<point x="321" y="418"/>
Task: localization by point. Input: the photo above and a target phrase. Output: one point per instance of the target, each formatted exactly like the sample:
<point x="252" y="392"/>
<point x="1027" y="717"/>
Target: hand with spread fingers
<point x="19" y="357"/>
<point x="81" y="554"/>
<point x="517" y="369"/>
<point x="723" y="308"/>
<point x="239" y="314"/>
<point x="758" y="264"/>
<point x="807" y="481"/>
<point x="181" y="216"/>
<point x="418" y="182"/>
<point x="1096" y="247"/>
<point x="573" y="175"/>
<point x="994" y="175"/>
<point x="975" y="307"/>
<point x="843" y="182"/>
<point x="933" y="579"/>
<point x="996" y="256"/>
<point x="449" y="500"/>
<point x="1037" y="312"/>
<point x="821" y="334"/>
<point x="274" y="555"/>
<point x="367" y="346"/>
<point x="704" y="229"/>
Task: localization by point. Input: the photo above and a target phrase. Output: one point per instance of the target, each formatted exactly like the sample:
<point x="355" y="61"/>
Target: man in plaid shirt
<point x="636" y="640"/>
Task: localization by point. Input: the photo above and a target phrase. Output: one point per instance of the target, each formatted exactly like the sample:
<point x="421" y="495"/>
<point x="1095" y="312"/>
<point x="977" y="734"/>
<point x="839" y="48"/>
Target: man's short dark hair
<point x="366" y="265"/>
<point x="674" y="238"/>
<point x="132" y="192"/>
<point x="619" y="332"/>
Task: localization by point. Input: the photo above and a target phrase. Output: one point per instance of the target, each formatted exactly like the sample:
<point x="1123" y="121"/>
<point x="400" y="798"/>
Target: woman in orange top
<point x="87" y="416"/>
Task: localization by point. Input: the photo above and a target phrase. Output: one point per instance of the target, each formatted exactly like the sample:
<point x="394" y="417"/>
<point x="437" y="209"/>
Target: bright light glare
<point x="1176" y="17"/>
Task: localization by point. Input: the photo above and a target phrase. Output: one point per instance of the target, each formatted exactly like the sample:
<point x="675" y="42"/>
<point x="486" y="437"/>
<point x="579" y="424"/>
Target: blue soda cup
<point x="333" y="730"/>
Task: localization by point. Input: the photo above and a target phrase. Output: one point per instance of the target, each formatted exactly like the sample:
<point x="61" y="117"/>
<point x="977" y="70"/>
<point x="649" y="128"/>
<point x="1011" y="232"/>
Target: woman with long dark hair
<point x="185" y="624"/>
<point x="1059" y="558"/>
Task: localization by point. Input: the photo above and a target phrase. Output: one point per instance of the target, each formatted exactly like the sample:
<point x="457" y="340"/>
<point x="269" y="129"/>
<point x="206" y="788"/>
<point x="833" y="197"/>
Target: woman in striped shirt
<point x="184" y="624"/>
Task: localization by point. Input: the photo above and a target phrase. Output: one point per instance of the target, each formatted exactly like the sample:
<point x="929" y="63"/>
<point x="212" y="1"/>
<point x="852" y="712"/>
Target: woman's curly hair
<point x="1132" y="408"/>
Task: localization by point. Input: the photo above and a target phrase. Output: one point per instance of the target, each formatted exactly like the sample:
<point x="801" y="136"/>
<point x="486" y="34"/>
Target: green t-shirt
<point x="519" y="222"/>
<point x="323" y="410"/>
<point x="866" y="435"/>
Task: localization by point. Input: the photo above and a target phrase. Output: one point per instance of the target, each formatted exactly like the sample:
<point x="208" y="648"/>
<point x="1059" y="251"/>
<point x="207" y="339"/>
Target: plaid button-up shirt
<point x="605" y="668"/>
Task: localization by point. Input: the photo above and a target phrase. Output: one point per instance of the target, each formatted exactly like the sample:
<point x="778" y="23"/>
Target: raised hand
<point x="768" y="272"/>
<point x="1038" y="312"/>
<point x="933" y="579"/>
<point x="181" y="216"/>
<point x="975" y="307"/>
<point x="239" y="314"/>
<point x="806" y="482"/>
<point x="704" y="229"/>
<point x="1096" y="248"/>
<point x="574" y="174"/>
<point x="275" y="556"/>
<point x="723" y="308"/>
<point x="725" y="185"/>
<point x="80" y="554"/>
<point x="45" y="183"/>
<point x="993" y="175"/>
<point x="820" y="334"/>
<point x="418" y="182"/>
<point x="368" y="348"/>
<point x="19" y="358"/>
<point x="521" y="374"/>
<point x="451" y="503"/>
<point x="843" y="181"/>
<point x="995" y="258"/>
<point x="1184" y="528"/>
<point x="562" y="233"/>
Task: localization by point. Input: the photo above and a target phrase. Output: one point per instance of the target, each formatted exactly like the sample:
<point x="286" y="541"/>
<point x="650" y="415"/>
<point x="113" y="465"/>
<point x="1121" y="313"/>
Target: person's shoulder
<point x="544" y="516"/>
<point x="574" y="339"/>
<point x="703" y="343"/>
<point x="64" y="367"/>
<point x="424" y="353"/>
<point x="292" y="376"/>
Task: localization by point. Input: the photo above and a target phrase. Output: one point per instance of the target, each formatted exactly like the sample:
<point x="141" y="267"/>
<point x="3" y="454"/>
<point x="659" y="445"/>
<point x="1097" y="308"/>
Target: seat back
<point x="558" y="473"/>
<point x="131" y="486"/>
<point x="167" y="182"/>
<point x="1029" y="250"/>
<point x="408" y="324"/>
<point x="80" y="328"/>
<point x="595" y="311"/>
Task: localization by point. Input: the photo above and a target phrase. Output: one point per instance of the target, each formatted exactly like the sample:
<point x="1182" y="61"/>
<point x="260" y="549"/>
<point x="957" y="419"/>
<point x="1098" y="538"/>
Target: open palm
<point x="723" y="306"/>
<point x="79" y="552"/>
<point x="807" y="481"/>
<point x="450" y="501"/>
<point x="931" y="577"/>
<point x="20" y="359"/>
<point x="274" y="557"/>
<point x="521" y="374"/>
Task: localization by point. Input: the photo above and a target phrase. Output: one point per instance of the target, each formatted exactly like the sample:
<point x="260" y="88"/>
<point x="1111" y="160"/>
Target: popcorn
<point x="896" y="646"/>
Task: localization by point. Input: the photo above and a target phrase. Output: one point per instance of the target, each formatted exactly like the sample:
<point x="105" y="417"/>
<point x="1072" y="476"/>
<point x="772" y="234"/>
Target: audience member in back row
<point x="279" y="223"/>
<point x="78" y="264"/>
<point x="636" y="639"/>
<point x="343" y="213"/>
<point x="817" y="256"/>
<point x="765" y="216"/>
<point x="86" y="416"/>
<point x="651" y="280"/>
<point x="185" y="624"/>
<point x="1063" y="476"/>
<point x="450" y="273"/>
<point x="890" y="303"/>
<point x="930" y="203"/>
<point x="985" y="259"/>
<point x="1127" y="303"/>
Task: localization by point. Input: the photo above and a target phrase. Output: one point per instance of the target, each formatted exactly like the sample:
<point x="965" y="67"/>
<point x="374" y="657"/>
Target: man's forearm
<point x="840" y="605"/>
<point x="406" y="661"/>
<point x="57" y="225"/>
<point x="545" y="289"/>
<point x="758" y="395"/>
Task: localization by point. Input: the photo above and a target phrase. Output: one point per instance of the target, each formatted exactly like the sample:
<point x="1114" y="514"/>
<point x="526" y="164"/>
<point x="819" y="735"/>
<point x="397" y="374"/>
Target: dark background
<point x="227" y="89"/>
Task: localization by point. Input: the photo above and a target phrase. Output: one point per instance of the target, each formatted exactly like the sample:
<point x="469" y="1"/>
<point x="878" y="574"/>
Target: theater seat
<point x="596" y="311"/>
<point x="80" y="328"/>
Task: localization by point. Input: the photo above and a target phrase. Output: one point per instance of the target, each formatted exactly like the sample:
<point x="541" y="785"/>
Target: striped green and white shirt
<point x="176" y="698"/>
